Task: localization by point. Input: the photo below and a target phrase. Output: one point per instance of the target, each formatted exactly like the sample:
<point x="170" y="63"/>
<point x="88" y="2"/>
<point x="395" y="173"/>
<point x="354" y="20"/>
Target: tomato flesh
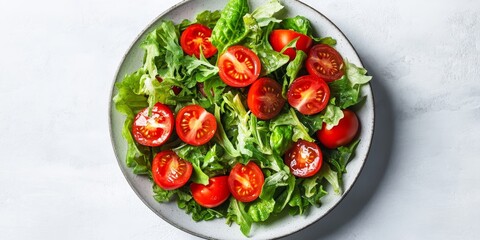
<point x="265" y="98"/>
<point x="195" y="125"/>
<point x="213" y="194"/>
<point x="169" y="171"/>
<point x="308" y="94"/>
<point x="246" y="181"/>
<point x="325" y="62"/>
<point x="304" y="159"/>
<point x="153" y="130"/>
<point x="239" y="66"/>
<point x="282" y="37"/>
<point x="196" y="37"/>
<point x="342" y="134"/>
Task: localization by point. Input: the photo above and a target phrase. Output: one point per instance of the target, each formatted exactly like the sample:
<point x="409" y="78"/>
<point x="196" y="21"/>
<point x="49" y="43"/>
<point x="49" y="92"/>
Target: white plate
<point x="217" y="229"/>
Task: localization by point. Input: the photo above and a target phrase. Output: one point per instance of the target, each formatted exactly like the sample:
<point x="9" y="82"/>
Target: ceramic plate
<point x="217" y="229"/>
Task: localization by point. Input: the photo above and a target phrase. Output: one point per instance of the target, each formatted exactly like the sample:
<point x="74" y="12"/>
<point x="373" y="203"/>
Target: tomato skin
<point x="308" y="94"/>
<point x="281" y="37"/>
<point x="246" y="181"/>
<point x="153" y="130"/>
<point x="342" y="134"/>
<point x="265" y="98"/>
<point x="324" y="62"/>
<point x="169" y="171"/>
<point x="239" y="66"/>
<point x="197" y="36"/>
<point x="213" y="194"/>
<point x="195" y="126"/>
<point x="304" y="159"/>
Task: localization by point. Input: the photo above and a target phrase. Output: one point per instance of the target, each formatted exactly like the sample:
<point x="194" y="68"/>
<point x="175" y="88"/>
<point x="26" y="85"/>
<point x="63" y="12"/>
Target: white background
<point x="59" y="178"/>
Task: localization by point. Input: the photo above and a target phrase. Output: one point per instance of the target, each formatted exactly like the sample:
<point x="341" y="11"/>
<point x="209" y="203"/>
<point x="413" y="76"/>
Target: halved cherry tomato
<point x="169" y="171"/>
<point x="239" y="66"/>
<point x="197" y="36"/>
<point x="153" y="130"/>
<point x="304" y="158"/>
<point x="213" y="194"/>
<point x="282" y="37"/>
<point x="246" y="181"/>
<point x="175" y="89"/>
<point x="325" y="62"/>
<point x="265" y="98"/>
<point x="342" y="134"/>
<point x="308" y="94"/>
<point x="195" y="125"/>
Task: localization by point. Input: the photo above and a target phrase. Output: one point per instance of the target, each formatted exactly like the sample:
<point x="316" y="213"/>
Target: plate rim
<point x="124" y="171"/>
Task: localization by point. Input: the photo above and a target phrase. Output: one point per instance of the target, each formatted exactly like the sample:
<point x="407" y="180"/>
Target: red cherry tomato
<point x="304" y="159"/>
<point x="239" y="66"/>
<point x="197" y="36"/>
<point x="342" y="134"/>
<point x="153" y="130"/>
<point x="246" y="182"/>
<point x="325" y="62"/>
<point x="281" y="38"/>
<point x="175" y="89"/>
<point x="265" y="98"/>
<point x="308" y="94"/>
<point x="169" y="171"/>
<point x="195" y="125"/>
<point x="213" y="194"/>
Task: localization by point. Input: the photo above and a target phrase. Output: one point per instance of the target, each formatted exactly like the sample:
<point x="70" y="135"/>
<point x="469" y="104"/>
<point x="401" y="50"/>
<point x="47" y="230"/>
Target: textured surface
<point x="59" y="178"/>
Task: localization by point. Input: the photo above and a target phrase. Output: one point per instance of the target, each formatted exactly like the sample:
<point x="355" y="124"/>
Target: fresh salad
<point x="239" y="114"/>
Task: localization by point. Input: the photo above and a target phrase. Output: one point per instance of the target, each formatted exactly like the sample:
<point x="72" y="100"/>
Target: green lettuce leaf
<point x="199" y="70"/>
<point x="261" y="209"/>
<point x="281" y="139"/>
<point x="213" y="88"/>
<point x="294" y="67"/>
<point x="315" y="192"/>
<point x="265" y="13"/>
<point x="298" y="24"/>
<point x="331" y="115"/>
<point x="208" y="18"/>
<point x="130" y="100"/>
<point x="302" y="25"/>
<point x="339" y="158"/>
<point x="258" y="41"/>
<point x="345" y="94"/>
<point x="284" y="198"/>
<point x="332" y="178"/>
<point x="328" y="40"/>
<point x="214" y="163"/>
<point x="346" y="90"/>
<point x="292" y="70"/>
<point x="290" y="119"/>
<point x="162" y="195"/>
<point x="198" y="212"/>
<point x="221" y="137"/>
<point x="162" y="53"/>
<point x="356" y="75"/>
<point x="236" y="213"/>
<point x="230" y="28"/>
<point x="298" y="204"/>
<point x="236" y="108"/>
<point x="272" y="182"/>
<point x="261" y="134"/>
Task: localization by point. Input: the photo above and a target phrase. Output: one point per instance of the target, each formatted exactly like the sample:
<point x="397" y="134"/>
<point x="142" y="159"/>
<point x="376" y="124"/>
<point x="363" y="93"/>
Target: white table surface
<point x="59" y="178"/>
